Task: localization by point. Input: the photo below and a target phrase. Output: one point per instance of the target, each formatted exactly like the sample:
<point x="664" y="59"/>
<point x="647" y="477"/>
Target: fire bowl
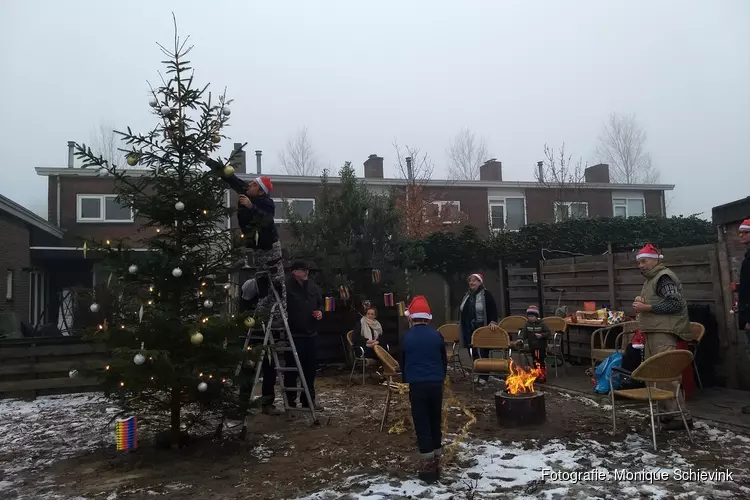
<point x="520" y="410"/>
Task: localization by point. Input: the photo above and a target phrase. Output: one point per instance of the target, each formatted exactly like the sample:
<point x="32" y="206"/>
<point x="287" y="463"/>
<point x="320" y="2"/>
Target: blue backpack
<point x="602" y="372"/>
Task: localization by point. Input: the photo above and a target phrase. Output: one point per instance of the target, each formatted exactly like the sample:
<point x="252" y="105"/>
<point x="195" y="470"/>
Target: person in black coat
<point x="743" y="292"/>
<point x="477" y="309"/>
<point x="305" y="310"/>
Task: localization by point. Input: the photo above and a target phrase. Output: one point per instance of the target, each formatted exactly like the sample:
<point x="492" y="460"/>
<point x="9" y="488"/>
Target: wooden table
<point x="578" y="340"/>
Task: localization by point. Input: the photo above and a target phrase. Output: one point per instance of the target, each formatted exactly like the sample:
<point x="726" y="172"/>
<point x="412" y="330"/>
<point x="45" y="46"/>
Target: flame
<point x="522" y="380"/>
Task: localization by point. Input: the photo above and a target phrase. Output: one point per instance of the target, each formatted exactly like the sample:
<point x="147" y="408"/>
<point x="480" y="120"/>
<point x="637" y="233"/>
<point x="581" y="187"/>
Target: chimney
<point x="597" y="174"/>
<point x="238" y="159"/>
<point x="258" y="154"/>
<point x="540" y="171"/>
<point x="71" y="148"/>
<point x="374" y="167"/>
<point x="409" y="168"/>
<point x="491" y="170"/>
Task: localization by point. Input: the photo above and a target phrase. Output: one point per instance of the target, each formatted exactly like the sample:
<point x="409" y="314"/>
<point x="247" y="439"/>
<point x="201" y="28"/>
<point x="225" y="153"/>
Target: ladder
<point x="286" y="344"/>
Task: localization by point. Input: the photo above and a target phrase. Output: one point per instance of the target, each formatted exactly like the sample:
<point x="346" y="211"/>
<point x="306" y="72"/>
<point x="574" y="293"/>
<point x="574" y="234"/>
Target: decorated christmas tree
<point x="165" y="313"/>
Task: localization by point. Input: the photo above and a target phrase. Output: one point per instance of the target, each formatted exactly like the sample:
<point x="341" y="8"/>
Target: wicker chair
<point x="511" y="324"/>
<point x="698" y="331"/>
<point x="391" y="370"/>
<point x="599" y="349"/>
<point x="451" y="334"/>
<point x="662" y="367"/>
<point x="558" y="327"/>
<point x="494" y="340"/>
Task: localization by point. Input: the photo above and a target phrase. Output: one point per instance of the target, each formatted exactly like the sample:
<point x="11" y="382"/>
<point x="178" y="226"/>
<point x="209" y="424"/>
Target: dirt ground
<point x="286" y="459"/>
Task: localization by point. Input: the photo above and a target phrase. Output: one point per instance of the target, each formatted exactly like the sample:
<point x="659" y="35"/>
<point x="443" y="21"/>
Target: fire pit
<point x="520" y="404"/>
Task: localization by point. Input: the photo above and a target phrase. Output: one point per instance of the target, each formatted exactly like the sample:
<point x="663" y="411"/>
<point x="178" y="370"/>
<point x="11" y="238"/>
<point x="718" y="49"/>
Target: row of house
<point x="43" y="261"/>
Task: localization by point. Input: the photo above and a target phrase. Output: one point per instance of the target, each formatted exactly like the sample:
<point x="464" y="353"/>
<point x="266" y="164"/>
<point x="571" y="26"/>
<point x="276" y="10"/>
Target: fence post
<point x="504" y="301"/>
<point x="539" y="287"/>
<point x="732" y="355"/>
<point x="611" y="280"/>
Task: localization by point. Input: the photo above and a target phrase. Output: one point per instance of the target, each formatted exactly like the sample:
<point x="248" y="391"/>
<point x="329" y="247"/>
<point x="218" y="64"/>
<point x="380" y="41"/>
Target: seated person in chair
<point x="367" y="333"/>
<point x="535" y="335"/>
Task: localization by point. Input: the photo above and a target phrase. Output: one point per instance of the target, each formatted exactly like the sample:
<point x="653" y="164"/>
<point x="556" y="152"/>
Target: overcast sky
<point x="360" y="74"/>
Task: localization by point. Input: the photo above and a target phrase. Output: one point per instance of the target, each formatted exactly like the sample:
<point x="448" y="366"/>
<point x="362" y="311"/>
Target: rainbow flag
<point x="388" y="299"/>
<point x="401" y="309"/>
<point x="344" y="292"/>
<point x="126" y="432"/>
<point x="376" y="275"/>
<point x="330" y="304"/>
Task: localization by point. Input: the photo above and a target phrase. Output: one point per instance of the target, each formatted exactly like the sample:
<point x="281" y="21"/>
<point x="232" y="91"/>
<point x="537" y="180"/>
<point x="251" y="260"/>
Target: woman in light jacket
<point x="477" y="309"/>
<point x="367" y="333"/>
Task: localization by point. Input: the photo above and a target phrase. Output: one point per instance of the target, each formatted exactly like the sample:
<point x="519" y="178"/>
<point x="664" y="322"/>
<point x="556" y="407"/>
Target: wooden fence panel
<point x="524" y="289"/>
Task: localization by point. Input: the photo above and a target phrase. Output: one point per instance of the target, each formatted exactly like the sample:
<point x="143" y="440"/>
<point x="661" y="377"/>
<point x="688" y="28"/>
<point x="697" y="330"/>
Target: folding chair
<point x="600" y="337"/>
<point x="451" y="334"/>
<point x="558" y="327"/>
<point x="358" y="356"/>
<point x="494" y="340"/>
<point x="698" y="332"/>
<point x="391" y="369"/>
<point x="660" y="368"/>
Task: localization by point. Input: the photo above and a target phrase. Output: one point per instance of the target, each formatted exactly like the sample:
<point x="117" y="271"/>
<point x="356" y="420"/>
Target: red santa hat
<point x="532" y="310"/>
<point x="648" y="252"/>
<point x="478" y="276"/>
<point x="419" y="308"/>
<point x="265" y="183"/>
<point x="745" y="226"/>
<point x="639" y="341"/>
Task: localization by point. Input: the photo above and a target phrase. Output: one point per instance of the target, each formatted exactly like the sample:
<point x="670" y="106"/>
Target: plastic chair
<point x="451" y="334"/>
<point x="663" y="367"/>
<point x="495" y="340"/>
<point x="391" y="369"/>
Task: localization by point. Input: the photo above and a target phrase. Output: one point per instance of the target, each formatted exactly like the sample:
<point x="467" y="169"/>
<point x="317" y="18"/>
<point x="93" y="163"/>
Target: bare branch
<point x="560" y="173"/>
<point x="466" y="153"/>
<point x="106" y="142"/>
<point x="622" y="145"/>
<point x="413" y="165"/>
<point x="298" y="156"/>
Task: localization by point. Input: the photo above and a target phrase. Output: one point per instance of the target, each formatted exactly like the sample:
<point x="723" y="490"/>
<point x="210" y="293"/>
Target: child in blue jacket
<point x="423" y="366"/>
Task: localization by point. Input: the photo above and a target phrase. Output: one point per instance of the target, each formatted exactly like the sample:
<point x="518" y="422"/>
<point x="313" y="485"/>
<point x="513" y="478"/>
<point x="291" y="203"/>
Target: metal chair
<point x="600" y="336"/>
<point x="511" y="324"/>
<point x="451" y="333"/>
<point x="660" y="368"/>
<point x="391" y="369"/>
<point x="358" y="356"/>
<point x="494" y="340"/>
<point x="558" y="327"/>
<point x="698" y="332"/>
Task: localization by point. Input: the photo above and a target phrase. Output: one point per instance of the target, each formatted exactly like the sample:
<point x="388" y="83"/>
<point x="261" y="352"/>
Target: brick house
<point x="23" y="288"/>
<point x="82" y="205"/>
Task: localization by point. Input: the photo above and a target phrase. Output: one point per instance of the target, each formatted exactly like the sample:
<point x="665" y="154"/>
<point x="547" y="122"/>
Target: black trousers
<point x="307" y="350"/>
<point x="427" y="412"/>
<point x="538" y="355"/>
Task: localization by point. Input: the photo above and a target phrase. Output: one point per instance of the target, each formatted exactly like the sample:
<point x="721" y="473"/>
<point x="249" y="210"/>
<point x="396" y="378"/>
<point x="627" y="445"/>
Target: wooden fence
<point x="38" y="366"/>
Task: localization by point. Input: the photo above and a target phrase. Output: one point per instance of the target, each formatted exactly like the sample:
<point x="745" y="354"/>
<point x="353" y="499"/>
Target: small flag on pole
<point x="388" y="299"/>
<point x="376" y="275"/>
<point x="126" y="432"/>
<point x="330" y="305"/>
<point x="344" y="292"/>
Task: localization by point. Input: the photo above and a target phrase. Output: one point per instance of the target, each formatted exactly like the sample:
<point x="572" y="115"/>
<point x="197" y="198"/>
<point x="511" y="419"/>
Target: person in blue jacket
<point x="424" y="365"/>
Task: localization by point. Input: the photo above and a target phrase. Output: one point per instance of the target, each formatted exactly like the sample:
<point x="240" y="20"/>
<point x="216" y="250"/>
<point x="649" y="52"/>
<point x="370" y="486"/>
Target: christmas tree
<point x="163" y="320"/>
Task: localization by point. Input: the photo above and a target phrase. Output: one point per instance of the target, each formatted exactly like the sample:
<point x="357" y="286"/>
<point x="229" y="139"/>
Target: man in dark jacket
<point x="305" y="306"/>
<point x="743" y="291"/>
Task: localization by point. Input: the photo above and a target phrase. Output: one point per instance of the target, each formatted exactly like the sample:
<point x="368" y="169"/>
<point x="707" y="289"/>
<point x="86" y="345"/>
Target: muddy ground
<point x="286" y="459"/>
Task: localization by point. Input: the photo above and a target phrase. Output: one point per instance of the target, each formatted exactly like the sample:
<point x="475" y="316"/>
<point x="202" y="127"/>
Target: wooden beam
<point x="611" y="280"/>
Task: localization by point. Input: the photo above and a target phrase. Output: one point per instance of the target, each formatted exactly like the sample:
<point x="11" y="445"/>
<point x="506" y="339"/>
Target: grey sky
<point x="359" y="74"/>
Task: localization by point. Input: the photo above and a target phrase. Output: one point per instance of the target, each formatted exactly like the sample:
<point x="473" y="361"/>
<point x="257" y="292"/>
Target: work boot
<point x="270" y="409"/>
<point x="428" y="470"/>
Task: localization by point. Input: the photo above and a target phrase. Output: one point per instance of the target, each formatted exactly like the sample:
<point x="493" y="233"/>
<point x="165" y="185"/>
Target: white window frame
<point x="441" y="203"/>
<point x="283" y="201"/>
<point x="501" y="201"/>
<point x="568" y="204"/>
<point x="102" y="210"/>
<point x="37" y="298"/>
<point x="626" y="199"/>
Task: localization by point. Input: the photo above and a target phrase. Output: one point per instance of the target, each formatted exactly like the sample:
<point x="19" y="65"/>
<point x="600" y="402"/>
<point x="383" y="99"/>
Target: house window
<point x="37" y="299"/>
<point x="628" y="207"/>
<point x="507" y="214"/>
<point x="451" y="210"/>
<point x="302" y="207"/>
<point x="565" y="210"/>
<point x="102" y="208"/>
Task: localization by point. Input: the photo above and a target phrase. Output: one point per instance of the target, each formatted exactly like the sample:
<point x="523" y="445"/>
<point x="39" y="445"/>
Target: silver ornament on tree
<point x="133" y="269"/>
<point x="179" y="206"/>
<point x="94" y="307"/>
<point x="139" y="359"/>
<point x="226" y="111"/>
<point x="176" y="272"/>
<point x="202" y="386"/>
<point x="165" y="110"/>
<point x="208" y="303"/>
<point x="73" y="373"/>
<point x="153" y="103"/>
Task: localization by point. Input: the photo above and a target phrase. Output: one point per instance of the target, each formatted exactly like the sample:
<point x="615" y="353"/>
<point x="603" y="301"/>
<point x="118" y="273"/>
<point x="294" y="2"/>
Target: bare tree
<point x="622" y="145"/>
<point x="298" y="156"/>
<point x="466" y="153"/>
<point x="413" y="165"/>
<point x="105" y="141"/>
<point x="565" y="177"/>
